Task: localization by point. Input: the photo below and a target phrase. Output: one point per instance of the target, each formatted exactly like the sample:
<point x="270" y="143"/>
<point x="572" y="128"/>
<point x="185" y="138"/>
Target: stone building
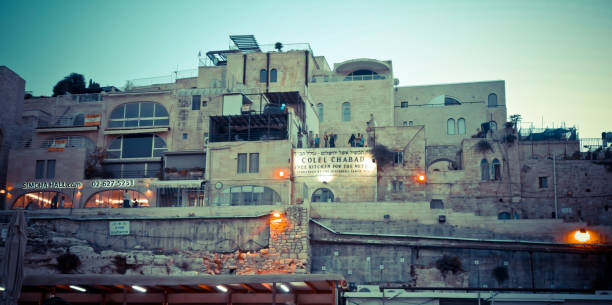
<point x="234" y="173"/>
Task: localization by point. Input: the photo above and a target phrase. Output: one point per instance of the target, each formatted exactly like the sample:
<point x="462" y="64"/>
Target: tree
<point x="278" y="46"/>
<point x="75" y="84"/>
<point x="515" y="119"/>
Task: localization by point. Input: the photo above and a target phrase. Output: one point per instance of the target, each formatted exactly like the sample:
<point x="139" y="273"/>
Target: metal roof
<point x="246" y="43"/>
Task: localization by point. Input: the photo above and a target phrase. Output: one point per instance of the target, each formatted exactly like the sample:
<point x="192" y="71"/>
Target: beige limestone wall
<point x="474" y="108"/>
<point x="365" y="98"/>
<point x="69" y="166"/>
<point x="273" y="157"/>
<point x="212" y="77"/>
<point x="541" y="150"/>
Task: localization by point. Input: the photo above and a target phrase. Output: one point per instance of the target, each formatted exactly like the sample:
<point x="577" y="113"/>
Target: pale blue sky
<point x="555" y="56"/>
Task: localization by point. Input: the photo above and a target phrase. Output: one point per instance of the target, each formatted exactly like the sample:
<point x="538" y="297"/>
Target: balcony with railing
<point x="77" y="122"/>
<point x="346" y="78"/>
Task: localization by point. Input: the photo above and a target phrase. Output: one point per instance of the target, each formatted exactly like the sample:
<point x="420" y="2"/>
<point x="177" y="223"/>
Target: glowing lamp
<point x="1" y="288"/>
<point x="2" y="191"/>
<point x="284" y="288"/>
<point x="139" y="288"/>
<point x="281" y="173"/>
<point x="582" y="236"/>
<point x="222" y="288"/>
<point x="276" y="218"/>
<point x="78" y="288"/>
<point x="276" y="214"/>
<point x="421" y="178"/>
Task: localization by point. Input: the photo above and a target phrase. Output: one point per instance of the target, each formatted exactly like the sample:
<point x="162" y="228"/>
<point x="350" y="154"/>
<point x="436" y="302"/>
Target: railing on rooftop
<point x="166" y="79"/>
<point x="348" y="78"/>
<point x="72" y="141"/>
<point x="86" y="97"/>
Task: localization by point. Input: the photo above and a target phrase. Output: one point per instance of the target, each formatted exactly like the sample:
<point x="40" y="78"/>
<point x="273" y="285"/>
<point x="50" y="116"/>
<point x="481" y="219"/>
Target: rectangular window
<point x="404" y="104"/>
<point x="399" y="157"/>
<point x="254" y="163"/>
<point x="543" y="182"/>
<point x="185" y="136"/>
<point x="50" y="169"/>
<point x="204" y="103"/>
<point x="195" y="102"/>
<point x="40" y="169"/>
<point x="242" y="163"/>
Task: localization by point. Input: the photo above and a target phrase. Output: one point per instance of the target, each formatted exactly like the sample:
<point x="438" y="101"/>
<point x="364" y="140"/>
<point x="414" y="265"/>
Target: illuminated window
<point x="322" y="195"/>
<point x="263" y="75"/>
<point x="484" y="170"/>
<point x="543" y="182"/>
<point x="450" y="127"/>
<point x="346" y="111"/>
<point x="273" y="76"/>
<point x="320" y="111"/>
<point x="461" y="126"/>
<point x="114" y="199"/>
<point x="140" y="114"/>
<point x="492" y="100"/>
<point x="42" y="200"/>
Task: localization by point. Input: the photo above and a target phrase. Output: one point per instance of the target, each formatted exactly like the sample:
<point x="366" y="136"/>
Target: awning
<point x="205" y="289"/>
<point x="177" y="183"/>
<point x="135" y="130"/>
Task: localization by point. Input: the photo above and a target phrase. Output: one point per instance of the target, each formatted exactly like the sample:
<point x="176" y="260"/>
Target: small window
<point x="320" y="111"/>
<point x="410" y="123"/>
<point x="404" y="104"/>
<point x="399" y="157"/>
<point x="204" y="103"/>
<point x="543" y="182"/>
<point x="242" y="163"/>
<point x="398" y="186"/>
<point x="40" y="169"/>
<point x="493" y="125"/>
<point x="263" y="76"/>
<point x="185" y="136"/>
<point x="496" y="170"/>
<point x="346" y="112"/>
<point x="405" y="123"/>
<point x="492" y="100"/>
<point x="322" y="195"/>
<point x="484" y="170"/>
<point x="273" y="76"/>
<point x="503" y="216"/>
<point x="50" y="169"/>
<point x="195" y="102"/>
<point x="450" y="127"/>
<point x="461" y="126"/>
<point x="254" y="163"/>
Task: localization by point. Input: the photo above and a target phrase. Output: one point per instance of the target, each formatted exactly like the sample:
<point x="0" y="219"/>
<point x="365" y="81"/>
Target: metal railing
<point x="348" y="78"/>
<point x="87" y="97"/>
<point x="166" y="79"/>
<point x="63" y="121"/>
<point x="45" y="144"/>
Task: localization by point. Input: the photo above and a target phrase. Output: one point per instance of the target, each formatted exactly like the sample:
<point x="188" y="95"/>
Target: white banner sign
<point x="119" y="227"/>
<point x="350" y="161"/>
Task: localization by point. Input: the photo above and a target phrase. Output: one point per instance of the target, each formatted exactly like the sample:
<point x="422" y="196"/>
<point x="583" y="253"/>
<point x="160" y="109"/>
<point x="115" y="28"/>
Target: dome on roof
<point x="352" y="65"/>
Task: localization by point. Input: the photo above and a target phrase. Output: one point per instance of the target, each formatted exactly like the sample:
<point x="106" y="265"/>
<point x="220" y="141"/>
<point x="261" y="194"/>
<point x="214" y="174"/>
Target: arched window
<point x="492" y="100"/>
<point x="405" y="123"/>
<point x="503" y="215"/>
<point x="484" y="170"/>
<point x="450" y="127"/>
<point x="140" y="114"/>
<point x="136" y="146"/>
<point x="320" y="111"/>
<point x="79" y="120"/>
<point x="247" y="195"/>
<point x="263" y="75"/>
<point x="410" y="123"/>
<point x="450" y="101"/>
<point x="461" y="126"/>
<point x="363" y="74"/>
<point x="496" y="170"/>
<point x="114" y="199"/>
<point x="42" y="200"/>
<point x="346" y="111"/>
<point x="273" y="76"/>
<point x="322" y="195"/>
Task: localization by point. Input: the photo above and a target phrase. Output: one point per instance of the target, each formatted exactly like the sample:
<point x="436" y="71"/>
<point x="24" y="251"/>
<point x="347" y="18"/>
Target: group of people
<point x="356" y="141"/>
<point x="126" y="201"/>
<point x="329" y="140"/>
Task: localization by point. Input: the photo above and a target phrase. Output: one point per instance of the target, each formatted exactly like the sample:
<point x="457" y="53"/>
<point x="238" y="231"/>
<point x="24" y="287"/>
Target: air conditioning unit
<point x="368" y="288"/>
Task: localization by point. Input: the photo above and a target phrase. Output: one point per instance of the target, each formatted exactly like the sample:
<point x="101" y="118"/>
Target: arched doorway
<point x="43" y="200"/>
<point x="322" y="195"/>
<point x="114" y="199"/>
